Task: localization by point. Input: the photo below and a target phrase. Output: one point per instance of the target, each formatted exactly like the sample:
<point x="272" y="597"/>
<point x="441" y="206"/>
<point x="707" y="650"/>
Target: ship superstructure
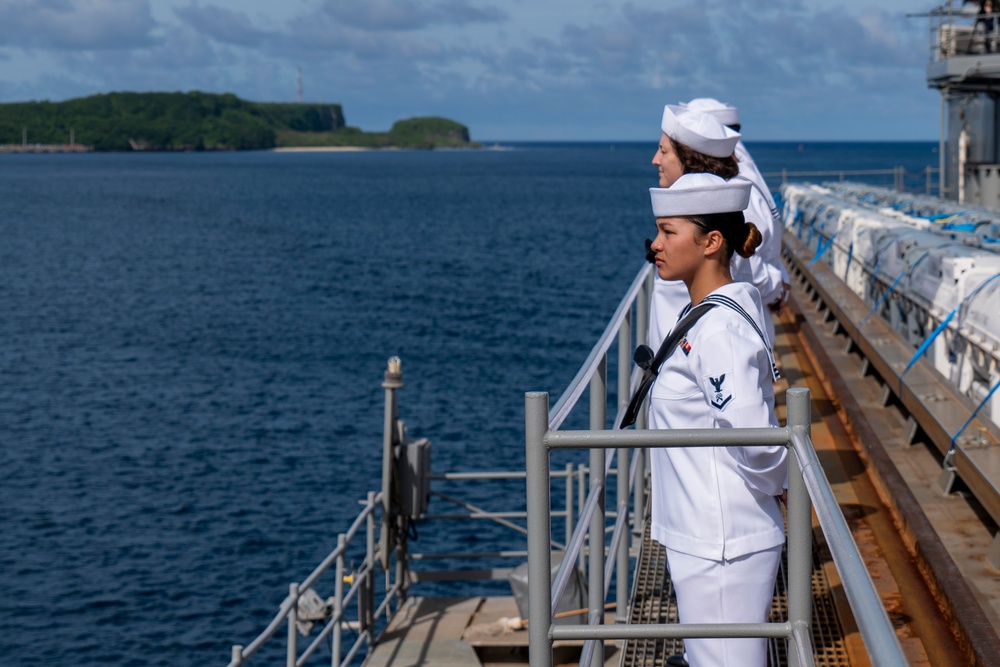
<point x="965" y="67"/>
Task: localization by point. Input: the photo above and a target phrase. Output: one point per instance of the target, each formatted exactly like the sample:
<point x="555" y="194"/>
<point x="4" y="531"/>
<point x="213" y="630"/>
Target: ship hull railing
<point x="293" y="613"/>
<point x="955" y="32"/>
<point x="386" y="548"/>
<point x="585" y="484"/>
<point x="899" y="178"/>
<point x="807" y="487"/>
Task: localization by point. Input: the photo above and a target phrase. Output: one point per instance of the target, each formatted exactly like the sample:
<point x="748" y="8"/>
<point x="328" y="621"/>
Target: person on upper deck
<point x="986" y="23"/>
<point x="715" y="509"/>
<point x="693" y="142"/>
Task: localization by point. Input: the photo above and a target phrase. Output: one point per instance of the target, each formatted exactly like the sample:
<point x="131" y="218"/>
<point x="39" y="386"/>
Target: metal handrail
<point x="898" y="173"/>
<point x="592" y="372"/>
<point x="567" y="401"/>
<point x="241" y="654"/>
<point x="861" y="594"/>
<point x="807" y="485"/>
<point x="586" y="656"/>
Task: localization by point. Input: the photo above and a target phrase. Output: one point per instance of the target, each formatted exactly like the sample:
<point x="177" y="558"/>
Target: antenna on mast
<point x="300" y="85"/>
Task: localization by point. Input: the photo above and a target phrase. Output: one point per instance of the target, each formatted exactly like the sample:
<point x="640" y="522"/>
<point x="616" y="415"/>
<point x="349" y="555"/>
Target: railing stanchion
<point x="581" y="498"/>
<point x="536" y="424"/>
<point x="642" y="336"/>
<point x="569" y="502"/>
<point x="367" y="616"/>
<point x="622" y="568"/>
<point x="595" y="574"/>
<point x="293" y="612"/>
<point x="392" y="381"/>
<point x="799" y="525"/>
<point x="338" y="605"/>
<point x="642" y="301"/>
<point x="237" y="655"/>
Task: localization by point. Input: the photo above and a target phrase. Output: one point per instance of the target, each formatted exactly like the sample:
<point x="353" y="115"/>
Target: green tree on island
<point x="206" y="121"/>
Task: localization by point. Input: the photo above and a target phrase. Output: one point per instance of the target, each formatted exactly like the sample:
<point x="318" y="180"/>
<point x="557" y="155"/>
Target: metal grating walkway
<point x="653" y="602"/>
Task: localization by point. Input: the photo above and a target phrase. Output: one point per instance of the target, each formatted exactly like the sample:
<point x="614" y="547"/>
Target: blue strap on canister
<point x="944" y="324"/>
<point x="927" y="341"/>
<point x="892" y="288"/>
<point x="821" y="248"/>
<point x="968" y="421"/>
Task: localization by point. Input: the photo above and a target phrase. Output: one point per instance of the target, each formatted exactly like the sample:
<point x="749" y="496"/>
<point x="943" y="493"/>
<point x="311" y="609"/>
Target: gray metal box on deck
<point x="413" y="470"/>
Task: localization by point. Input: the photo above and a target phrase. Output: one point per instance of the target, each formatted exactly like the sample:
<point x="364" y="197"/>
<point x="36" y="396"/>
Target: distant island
<point x="197" y="121"/>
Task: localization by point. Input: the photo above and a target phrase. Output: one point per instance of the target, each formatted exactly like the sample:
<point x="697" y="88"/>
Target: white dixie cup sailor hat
<point x="698" y="131"/>
<point x="720" y="111"/>
<point x="700" y="194"/>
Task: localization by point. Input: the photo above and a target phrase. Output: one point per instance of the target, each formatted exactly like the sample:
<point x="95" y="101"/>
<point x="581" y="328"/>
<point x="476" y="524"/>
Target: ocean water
<point x="192" y="345"/>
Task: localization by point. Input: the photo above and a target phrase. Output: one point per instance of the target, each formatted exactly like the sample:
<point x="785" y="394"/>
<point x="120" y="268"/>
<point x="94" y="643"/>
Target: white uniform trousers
<point x="727" y="591"/>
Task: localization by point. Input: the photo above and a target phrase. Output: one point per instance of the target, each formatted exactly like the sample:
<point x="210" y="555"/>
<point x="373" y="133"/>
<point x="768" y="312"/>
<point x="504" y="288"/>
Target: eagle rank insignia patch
<point x="719" y="396"/>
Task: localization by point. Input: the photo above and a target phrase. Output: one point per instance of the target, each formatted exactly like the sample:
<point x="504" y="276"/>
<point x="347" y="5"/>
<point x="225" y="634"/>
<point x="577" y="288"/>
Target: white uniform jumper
<point x="714" y="508"/>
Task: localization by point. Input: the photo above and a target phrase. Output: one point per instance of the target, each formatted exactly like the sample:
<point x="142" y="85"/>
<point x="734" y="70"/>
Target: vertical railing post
<point x="642" y="301"/>
<point x="595" y="575"/>
<point x="569" y="503"/>
<point x="799" y="523"/>
<point x="237" y="655"/>
<point x="582" y="472"/>
<point x="641" y="422"/>
<point x="293" y="613"/>
<point x="536" y="424"/>
<point x="338" y="605"/>
<point x="622" y="568"/>
<point x="393" y="380"/>
<point x="368" y="614"/>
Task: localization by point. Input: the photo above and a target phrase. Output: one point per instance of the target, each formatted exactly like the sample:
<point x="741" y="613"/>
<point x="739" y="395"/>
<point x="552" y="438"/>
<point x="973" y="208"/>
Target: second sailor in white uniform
<point x="715" y="509"/>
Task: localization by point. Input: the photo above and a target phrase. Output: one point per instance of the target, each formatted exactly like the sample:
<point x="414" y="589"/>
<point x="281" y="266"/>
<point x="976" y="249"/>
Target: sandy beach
<point x="320" y="149"/>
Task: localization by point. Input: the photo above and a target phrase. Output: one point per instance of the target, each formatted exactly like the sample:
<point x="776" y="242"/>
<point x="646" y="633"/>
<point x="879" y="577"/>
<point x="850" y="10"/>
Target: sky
<point x="533" y="70"/>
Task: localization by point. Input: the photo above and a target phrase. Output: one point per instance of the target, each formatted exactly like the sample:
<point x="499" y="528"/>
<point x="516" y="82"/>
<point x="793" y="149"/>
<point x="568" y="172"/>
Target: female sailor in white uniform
<point x="715" y="509"/>
<point x="693" y="141"/>
<point x="770" y="228"/>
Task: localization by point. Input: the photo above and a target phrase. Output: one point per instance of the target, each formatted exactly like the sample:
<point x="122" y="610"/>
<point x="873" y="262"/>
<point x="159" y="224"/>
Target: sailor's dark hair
<point x="695" y="162"/>
<point x="741" y="237"/>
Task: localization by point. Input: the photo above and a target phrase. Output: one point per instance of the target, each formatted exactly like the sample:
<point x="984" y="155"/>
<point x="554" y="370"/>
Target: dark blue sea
<point x="192" y="345"/>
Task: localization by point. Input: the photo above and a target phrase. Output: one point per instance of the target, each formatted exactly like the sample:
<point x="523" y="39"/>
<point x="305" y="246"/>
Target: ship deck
<point x="926" y="551"/>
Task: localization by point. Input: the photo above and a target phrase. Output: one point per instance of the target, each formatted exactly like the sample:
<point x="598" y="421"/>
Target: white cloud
<point x="565" y="67"/>
<point x="76" y="24"/>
